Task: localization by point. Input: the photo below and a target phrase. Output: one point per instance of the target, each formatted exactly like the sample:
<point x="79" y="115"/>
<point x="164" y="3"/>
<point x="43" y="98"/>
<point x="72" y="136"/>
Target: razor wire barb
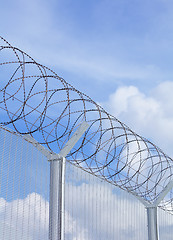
<point x="35" y="100"/>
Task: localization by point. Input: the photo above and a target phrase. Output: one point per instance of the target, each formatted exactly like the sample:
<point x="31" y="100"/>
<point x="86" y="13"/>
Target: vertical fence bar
<point x="152" y="213"/>
<point x="152" y="223"/>
<point x="55" y="201"/>
<point x="63" y="167"/>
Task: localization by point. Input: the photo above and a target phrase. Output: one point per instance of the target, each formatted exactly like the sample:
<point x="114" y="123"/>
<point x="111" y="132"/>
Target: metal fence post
<point x="55" y="202"/>
<point x="152" y="213"/>
<point x="57" y="186"/>
<point x="152" y="223"/>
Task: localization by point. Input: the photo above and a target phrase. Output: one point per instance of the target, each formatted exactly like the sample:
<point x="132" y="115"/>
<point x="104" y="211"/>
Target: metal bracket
<point x="161" y="196"/>
<point x="152" y="213"/>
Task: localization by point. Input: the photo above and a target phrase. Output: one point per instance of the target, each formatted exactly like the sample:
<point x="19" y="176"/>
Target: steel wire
<point x="35" y="100"/>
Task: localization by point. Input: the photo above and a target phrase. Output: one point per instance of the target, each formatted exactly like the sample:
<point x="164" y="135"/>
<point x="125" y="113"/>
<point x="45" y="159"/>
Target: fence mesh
<point x="165" y="225"/>
<point x="94" y="209"/>
<point x="24" y="190"/>
<point x="97" y="210"/>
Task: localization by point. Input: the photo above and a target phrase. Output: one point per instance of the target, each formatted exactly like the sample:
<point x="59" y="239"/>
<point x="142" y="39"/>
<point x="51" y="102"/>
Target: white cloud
<point x="105" y="214"/>
<point x="94" y="210"/>
<point x="28" y="219"/>
<point x="148" y="114"/>
<point x="24" y="218"/>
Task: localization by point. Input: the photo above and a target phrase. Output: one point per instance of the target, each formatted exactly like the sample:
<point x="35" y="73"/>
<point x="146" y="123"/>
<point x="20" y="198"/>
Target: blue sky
<point x="100" y="43"/>
<point x="104" y="48"/>
<point x="118" y="52"/>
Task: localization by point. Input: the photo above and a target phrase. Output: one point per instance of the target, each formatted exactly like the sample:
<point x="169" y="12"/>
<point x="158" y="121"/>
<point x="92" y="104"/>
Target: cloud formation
<point x="94" y="210"/>
<point x="24" y="218"/>
<point x="149" y="114"/>
<point x="86" y="216"/>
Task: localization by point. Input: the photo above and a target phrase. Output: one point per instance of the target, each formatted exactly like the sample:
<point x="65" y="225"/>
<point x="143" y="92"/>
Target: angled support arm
<point x="161" y="196"/>
<point x="152" y="213"/>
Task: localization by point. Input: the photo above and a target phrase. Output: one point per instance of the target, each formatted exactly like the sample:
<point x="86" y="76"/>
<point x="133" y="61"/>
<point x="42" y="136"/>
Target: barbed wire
<point x="35" y="100"/>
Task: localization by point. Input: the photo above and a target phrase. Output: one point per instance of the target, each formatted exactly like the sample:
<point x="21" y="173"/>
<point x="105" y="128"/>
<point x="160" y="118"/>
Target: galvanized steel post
<point x="55" y="202"/>
<point x="57" y="186"/>
<point x="152" y="223"/>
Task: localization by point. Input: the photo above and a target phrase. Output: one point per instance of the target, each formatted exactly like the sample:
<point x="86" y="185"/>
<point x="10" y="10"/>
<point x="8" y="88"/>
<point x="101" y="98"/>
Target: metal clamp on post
<point x="55" y="157"/>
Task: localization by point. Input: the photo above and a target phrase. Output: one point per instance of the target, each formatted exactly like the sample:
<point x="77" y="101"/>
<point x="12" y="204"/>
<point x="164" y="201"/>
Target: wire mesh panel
<point x="97" y="210"/>
<point x="165" y="223"/>
<point x="94" y="208"/>
<point x="24" y="190"/>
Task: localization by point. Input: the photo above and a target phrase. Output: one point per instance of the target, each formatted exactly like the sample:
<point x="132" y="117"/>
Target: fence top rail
<point x="40" y="105"/>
